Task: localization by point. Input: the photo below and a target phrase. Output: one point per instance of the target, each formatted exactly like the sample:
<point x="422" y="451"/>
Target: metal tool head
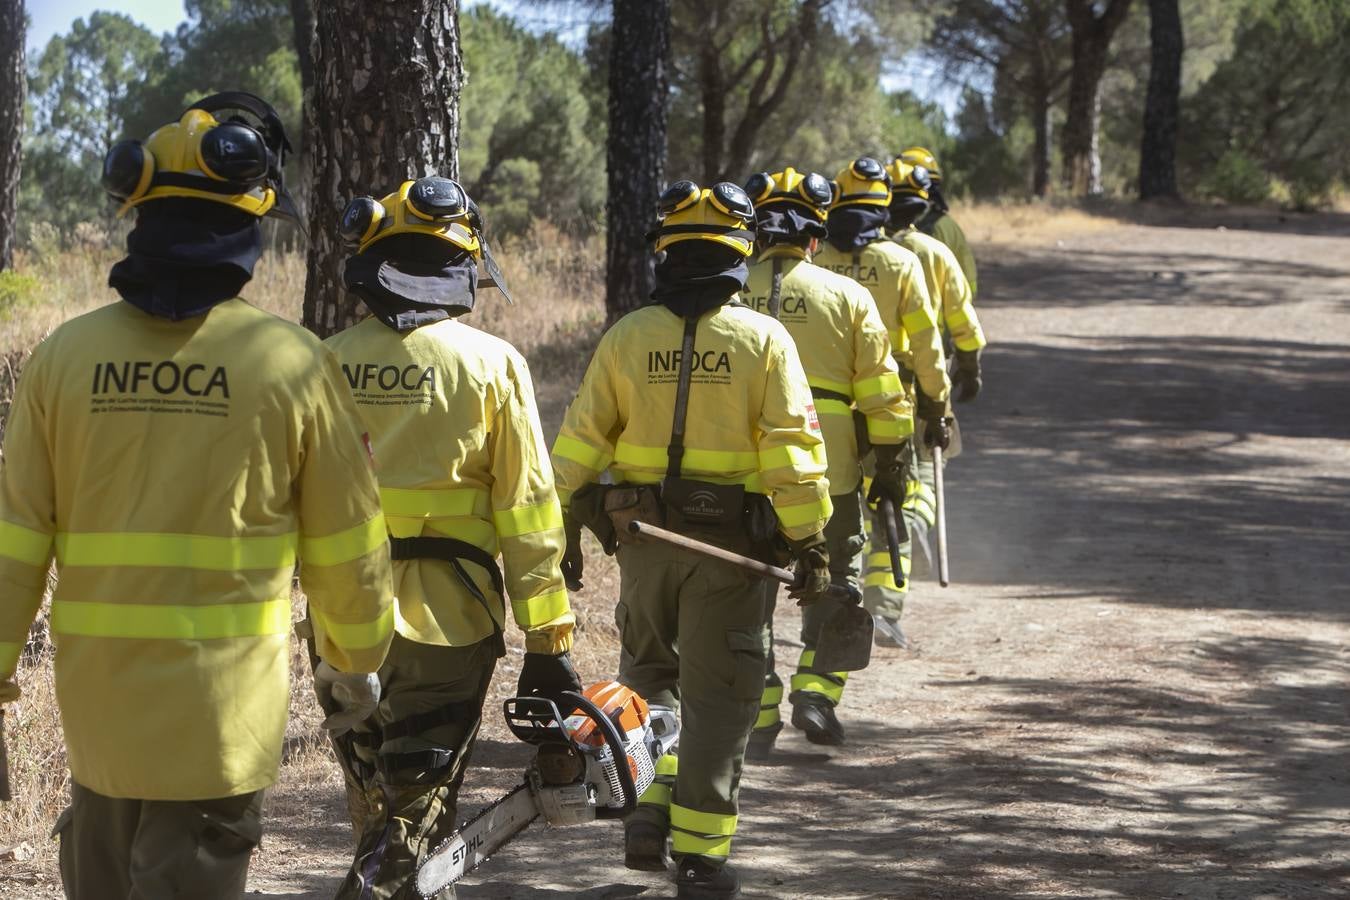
<point x="845" y="640"/>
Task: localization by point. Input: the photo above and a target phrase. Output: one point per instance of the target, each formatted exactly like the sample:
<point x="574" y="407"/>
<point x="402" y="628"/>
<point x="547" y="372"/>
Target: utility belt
<point x="860" y="435"/>
<point x="725" y="515"/>
<point x="456" y="553"/>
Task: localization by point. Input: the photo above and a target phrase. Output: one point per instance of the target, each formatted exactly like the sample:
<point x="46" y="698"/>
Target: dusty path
<point x="1138" y="688"/>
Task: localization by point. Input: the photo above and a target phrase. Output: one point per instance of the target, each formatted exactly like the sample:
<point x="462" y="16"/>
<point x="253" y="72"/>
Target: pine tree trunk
<point x="1162" y="106"/>
<point x="639" y="86"/>
<point x="385" y="108"/>
<point x="1040" y="176"/>
<point x="1092" y="35"/>
<point x="13" y="91"/>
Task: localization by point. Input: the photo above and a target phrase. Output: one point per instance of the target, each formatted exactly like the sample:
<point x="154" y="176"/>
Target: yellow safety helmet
<point x="863" y="182"/>
<point x="910" y="180"/>
<point x="433" y="206"/>
<point x="920" y="156"/>
<point x="809" y="190"/>
<point x="722" y="214"/>
<point x="235" y="162"/>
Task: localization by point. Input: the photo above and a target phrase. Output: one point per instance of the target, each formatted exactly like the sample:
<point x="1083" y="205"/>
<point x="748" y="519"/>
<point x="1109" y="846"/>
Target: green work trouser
<point x="405" y="764"/>
<point x="157" y="849"/>
<point x="844" y="539"/>
<point x="690" y="633"/>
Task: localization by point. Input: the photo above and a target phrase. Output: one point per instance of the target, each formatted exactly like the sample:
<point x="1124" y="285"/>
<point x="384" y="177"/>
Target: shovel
<point x="845" y="640"/>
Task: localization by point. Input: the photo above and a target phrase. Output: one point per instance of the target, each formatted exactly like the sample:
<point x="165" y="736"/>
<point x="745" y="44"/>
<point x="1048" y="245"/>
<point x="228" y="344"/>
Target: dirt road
<point x="1139" y="686"/>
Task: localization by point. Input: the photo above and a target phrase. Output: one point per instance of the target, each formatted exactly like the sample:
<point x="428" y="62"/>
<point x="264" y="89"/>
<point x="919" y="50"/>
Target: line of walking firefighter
<point x="180" y="453"/>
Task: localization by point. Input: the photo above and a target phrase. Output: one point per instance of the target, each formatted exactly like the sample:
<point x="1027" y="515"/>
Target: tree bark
<point x="13" y="92"/>
<point x="1162" y="105"/>
<point x="1041" y="107"/>
<point x="385" y="108"/>
<point x="1092" y="35"/>
<point x="639" y="88"/>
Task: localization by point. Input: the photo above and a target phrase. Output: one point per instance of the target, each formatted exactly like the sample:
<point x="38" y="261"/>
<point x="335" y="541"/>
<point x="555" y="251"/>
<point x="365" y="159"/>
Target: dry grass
<point x="1029" y="223"/>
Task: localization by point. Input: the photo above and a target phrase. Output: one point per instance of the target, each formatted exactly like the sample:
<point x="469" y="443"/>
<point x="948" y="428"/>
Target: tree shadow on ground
<point x="1235" y="218"/>
<point x="1064" y="472"/>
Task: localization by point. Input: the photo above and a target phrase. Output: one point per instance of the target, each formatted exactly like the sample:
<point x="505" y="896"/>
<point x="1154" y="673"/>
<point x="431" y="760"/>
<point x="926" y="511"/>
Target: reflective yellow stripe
<point x="528" y="519"/>
<point x="899" y="340"/>
<point x="187" y="551"/>
<point x="9" y="656"/>
<point x="356" y="635"/>
<point x="434" y="503"/>
<point x="540" y="609"/>
<point x="839" y="387"/>
<point x="973" y="341"/>
<point x="656" y="795"/>
<point x="883" y="579"/>
<point x="803" y="513"/>
<point x="683" y="844"/>
<point x="833" y="408"/>
<point x="807" y="659"/>
<point x="668" y="765"/>
<point x="811" y="683"/>
<point x="701" y="822"/>
<point x="888" y="383"/>
<point x="768" y="715"/>
<point x="695" y="459"/>
<point x="793" y="457"/>
<point x="772" y="696"/>
<point x="583" y="454"/>
<point x="882" y="560"/>
<point x="24" y="544"/>
<point x="917" y="321"/>
<point x="957" y="317"/>
<point x="344" y="546"/>
<point x="890" y="428"/>
<point x="186" y="623"/>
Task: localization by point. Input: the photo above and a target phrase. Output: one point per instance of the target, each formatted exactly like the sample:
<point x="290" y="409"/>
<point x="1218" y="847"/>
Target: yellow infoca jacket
<point x="177" y="470"/>
<point x="947" y="285"/>
<point x="946" y="230"/>
<point x="460" y="453"/>
<point x="894" y="276"/>
<point x="751" y="420"/>
<point x="844" y="350"/>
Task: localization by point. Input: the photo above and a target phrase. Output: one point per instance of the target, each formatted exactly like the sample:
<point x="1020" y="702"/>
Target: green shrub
<point x="1237" y="178"/>
<point x="17" y="291"/>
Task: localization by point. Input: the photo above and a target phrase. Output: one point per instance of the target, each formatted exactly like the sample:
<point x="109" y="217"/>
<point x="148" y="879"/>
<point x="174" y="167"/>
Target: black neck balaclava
<point x="905" y="210"/>
<point x="852" y="227"/>
<point x="783" y="223"/>
<point x="698" y="276"/>
<point x="412" y="280"/>
<point x="185" y="256"/>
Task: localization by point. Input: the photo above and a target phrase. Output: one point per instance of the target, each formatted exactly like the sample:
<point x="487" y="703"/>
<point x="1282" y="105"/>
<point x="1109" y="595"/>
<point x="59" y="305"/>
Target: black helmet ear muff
<point x="269" y="125"/>
<point x="360" y="220"/>
<point x="435" y="198"/>
<point x="817" y="190"/>
<point x="732" y="200"/>
<point x="760" y="186"/>
<point x="235" y="152"/>
<point x="676" y="197"/>
<point x="867" y="168"/>
<point x="128" y="169"/>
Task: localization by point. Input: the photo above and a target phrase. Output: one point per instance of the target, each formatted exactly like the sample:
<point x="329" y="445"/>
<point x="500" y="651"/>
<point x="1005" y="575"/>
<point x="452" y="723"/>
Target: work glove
<point x="937" y="430"/>
<point x="573" y="564"/>
<point x="888" y="482"/>
<point x="966" y="376"/>
<point x="356" y="694"/>
<point x="546" y="675"/>
<point x="812" y="570"/>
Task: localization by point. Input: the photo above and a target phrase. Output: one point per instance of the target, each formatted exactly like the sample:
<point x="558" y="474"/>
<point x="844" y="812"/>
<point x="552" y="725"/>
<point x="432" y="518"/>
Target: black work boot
<point x="644" y="846"/>
<point x="699" y="878"/>
<point x="814" y="714"/>
<point x="760" y="746"/>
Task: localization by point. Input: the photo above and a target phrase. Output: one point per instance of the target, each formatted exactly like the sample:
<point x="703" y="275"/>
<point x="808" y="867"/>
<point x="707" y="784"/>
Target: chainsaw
<point x="591" y="764"/>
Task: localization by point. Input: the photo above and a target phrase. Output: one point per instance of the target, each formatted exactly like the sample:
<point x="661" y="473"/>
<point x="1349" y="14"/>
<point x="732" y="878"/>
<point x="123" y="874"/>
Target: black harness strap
<point x="857" y="264"/>
<point x="775" y="298"/>
<point x="827" y="394"/>
<point x="453" y="552"/>
<point x="675" y="452"/>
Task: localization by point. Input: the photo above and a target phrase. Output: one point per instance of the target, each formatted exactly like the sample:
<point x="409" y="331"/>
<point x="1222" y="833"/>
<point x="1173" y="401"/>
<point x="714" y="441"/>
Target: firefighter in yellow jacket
<point x="699" y="409"/>
<point x="176" y="452"/>
<point x="857" y="244"/>
<point x="938" y="221"/>
<point x="464" y="477"/>
<point x="847" y="357"/>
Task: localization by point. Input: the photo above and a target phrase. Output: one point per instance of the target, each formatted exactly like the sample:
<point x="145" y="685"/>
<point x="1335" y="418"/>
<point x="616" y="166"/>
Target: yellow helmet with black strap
<point x="721" y="214"/>
<point x="236" y="162"/>
<point x="863" y="182"/>
<point x="909" y="179"/>
<point x="921" y="156"/>
<point x="807" y="190"/>
<point x="432" y="207"/>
